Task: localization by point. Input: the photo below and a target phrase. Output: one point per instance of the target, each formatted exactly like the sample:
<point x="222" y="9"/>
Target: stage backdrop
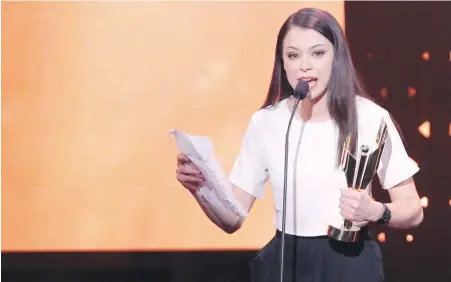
<point x="89" y="92"/>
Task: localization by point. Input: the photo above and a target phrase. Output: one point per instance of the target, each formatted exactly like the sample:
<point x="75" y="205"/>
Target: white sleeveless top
<point x="314" y="181"/>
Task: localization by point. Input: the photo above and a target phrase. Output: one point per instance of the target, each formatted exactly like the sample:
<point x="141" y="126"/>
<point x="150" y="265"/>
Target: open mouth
<point x="310" y="80"/>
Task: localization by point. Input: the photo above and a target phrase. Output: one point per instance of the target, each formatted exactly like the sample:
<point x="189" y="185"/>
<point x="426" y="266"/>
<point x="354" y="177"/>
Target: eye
<point x="318" y="53"/>
<point x="293" y="55"/>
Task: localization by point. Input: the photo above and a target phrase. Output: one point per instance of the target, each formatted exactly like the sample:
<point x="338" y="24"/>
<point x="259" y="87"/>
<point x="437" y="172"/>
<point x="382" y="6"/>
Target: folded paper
<point x="217" y="190"/>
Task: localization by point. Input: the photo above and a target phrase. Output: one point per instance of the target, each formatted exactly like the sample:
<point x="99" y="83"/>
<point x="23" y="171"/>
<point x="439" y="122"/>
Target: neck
<point x="314" y="110"/>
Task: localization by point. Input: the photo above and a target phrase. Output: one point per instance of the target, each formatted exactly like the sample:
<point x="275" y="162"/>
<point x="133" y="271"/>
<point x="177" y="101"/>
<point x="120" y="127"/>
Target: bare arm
<point x="405" y="206"/>
<point x="192" y="179"/>
<point x="223" y="218"/>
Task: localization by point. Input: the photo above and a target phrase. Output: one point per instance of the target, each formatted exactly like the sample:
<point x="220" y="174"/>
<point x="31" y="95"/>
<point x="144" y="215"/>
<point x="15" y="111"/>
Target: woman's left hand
<point x="359" y="206"/>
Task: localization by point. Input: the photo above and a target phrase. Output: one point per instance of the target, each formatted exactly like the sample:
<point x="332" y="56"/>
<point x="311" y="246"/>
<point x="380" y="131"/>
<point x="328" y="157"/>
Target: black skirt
<point x="318" y="259"/>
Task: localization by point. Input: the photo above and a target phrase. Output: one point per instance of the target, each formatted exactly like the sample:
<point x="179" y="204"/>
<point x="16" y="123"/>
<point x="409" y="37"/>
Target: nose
<point x="305" y="64"/>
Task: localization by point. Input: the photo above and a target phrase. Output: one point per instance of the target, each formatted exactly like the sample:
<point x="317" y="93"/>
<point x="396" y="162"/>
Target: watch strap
<point x="386" y="215"/>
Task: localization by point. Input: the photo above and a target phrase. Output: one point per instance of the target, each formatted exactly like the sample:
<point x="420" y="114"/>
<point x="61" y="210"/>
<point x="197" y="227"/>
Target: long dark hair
<point x="344" y="83"/>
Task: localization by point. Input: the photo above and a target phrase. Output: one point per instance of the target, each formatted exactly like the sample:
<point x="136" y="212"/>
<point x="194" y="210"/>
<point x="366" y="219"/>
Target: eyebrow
<point x="314" y="46"/>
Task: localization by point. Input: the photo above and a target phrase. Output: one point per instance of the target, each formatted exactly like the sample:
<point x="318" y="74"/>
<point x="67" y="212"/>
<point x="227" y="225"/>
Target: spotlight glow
<point x="381" y="237"/>
<point x="424" y="202"/>
<point x="426" y="56"/>
<point x="425" y="129"/>
<point x="412" y="92"/>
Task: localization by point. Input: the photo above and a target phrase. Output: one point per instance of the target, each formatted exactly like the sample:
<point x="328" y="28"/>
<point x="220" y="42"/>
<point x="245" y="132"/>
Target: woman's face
<point x="308" y="55"/>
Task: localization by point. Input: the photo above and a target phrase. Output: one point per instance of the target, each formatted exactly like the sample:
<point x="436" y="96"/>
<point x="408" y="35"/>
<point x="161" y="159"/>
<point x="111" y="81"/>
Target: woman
<point x="311" y="46"/>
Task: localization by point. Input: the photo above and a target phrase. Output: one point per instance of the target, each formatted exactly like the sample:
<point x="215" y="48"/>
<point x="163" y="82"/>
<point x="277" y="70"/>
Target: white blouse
<point x="314" y="181"/>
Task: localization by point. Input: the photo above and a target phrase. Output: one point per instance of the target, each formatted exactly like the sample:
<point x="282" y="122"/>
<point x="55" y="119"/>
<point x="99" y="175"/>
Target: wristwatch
<point x="386" y="215"/>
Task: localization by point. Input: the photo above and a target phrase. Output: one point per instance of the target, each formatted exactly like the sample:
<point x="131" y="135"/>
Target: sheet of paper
<point x="217" y="190"/>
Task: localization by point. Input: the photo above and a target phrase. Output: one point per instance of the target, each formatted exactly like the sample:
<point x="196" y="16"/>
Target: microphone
<point x="299" y="93"/>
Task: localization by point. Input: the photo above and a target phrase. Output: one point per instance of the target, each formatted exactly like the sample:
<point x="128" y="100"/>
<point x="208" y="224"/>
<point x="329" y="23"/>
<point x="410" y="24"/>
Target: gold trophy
<point x="359" y="170"/>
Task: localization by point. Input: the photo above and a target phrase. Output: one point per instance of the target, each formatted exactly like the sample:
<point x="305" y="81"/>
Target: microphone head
<point x="301" y="90"/>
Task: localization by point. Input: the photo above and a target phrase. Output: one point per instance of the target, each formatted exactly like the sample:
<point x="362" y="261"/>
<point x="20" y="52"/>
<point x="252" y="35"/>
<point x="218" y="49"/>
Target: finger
<point x="191" y="187"/>
<point x="349" y="216"/>
<point x="183" y="178"/>
<point x="346" y="201"/>
<point x="350" y="194"/>
<point x="188" y="170"/>
<point x="348" y="211"/>
<point x="346" y="208"/>
<point x="346" y="215"/>
<point x="182" y="158"/>
<point x="345" y="193"/>
<point x="352" y="204"/>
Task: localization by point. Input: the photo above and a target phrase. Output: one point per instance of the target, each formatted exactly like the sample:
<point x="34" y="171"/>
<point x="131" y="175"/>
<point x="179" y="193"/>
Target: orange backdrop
<point x="89" y="92"/>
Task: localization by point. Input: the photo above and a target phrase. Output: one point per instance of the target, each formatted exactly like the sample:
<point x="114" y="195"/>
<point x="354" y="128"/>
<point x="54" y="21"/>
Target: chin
<point x="311" y="95"/>
<point x="314" y="96"/>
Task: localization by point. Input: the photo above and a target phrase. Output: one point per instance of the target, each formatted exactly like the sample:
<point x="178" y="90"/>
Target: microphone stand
<point x="284" y="213"/>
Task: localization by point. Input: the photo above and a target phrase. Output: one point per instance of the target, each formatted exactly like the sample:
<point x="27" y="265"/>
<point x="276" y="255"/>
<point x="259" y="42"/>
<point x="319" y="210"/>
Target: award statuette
<point x="359" y="170"/>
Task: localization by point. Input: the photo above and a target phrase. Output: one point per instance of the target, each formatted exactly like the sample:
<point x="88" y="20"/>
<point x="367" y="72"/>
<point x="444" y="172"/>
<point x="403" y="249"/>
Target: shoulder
<point x="369" y="111"/>
<point x="369" y="107"/>
<point x="370" y="116"/>
<point x="265" y="116"/>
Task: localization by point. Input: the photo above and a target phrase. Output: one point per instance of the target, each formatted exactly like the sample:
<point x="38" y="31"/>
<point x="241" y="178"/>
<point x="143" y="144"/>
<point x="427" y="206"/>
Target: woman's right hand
<point x="188" y="174"/>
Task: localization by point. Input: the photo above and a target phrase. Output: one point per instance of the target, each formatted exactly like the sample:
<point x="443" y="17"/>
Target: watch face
<point x="386" y="215"/>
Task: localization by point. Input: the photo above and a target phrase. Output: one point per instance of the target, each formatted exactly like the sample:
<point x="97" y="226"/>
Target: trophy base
<point x="340" y="234"/>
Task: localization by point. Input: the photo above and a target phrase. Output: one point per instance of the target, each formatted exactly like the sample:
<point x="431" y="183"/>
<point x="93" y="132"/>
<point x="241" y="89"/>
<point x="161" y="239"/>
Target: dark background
<point x="387" y="40"/>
